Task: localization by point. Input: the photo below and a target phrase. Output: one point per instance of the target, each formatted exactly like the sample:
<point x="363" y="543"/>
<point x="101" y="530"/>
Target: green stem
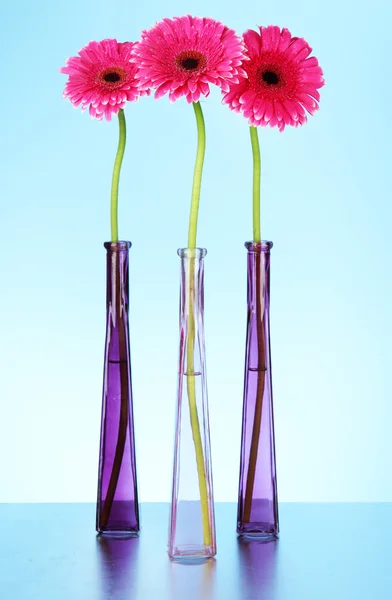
<point x="116" y="176"/>
<point x="190" y="368"/>
<point x="256" y="183"/>
<point x="197" y="174"/>
<point x="261" y="349"/>
<point x="192" y="401"/>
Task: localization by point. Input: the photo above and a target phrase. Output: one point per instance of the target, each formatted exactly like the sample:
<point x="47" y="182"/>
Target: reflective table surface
<point x="325" y="551"/>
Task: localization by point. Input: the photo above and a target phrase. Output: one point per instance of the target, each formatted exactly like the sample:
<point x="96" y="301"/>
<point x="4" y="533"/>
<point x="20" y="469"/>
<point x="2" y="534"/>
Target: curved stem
<point x="197" y="174"/>
<point x="116" y="176"/>
<point x="122" y="430"/>
<point x="256" y="183"/>
<point x="191" y="383"/>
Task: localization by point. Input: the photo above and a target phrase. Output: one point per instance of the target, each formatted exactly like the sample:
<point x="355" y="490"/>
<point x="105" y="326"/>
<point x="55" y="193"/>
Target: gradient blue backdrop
<point x="325" y="205"/>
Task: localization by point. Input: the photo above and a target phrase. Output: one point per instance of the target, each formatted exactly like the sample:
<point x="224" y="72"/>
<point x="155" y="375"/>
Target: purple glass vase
<point x="257" y="495"/>
<point x="192" y="521"/>
<point x="117" y="503"/>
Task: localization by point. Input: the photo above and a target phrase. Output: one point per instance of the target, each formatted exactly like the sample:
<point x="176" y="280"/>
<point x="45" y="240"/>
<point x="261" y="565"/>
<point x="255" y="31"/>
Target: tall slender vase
<point x="192" y="521"/>
<point x="257" y="495"/>
<point x="117" y="503"/>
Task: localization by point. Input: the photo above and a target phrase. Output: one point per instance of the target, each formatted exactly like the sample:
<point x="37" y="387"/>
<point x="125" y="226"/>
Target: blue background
<point x="325" y="205"/>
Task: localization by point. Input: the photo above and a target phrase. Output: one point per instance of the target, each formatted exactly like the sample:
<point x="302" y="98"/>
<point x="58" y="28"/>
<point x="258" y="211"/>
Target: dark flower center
<point x="190" y="61"/>
<point x="112" y="77"/>
<point x="270" y="77"/>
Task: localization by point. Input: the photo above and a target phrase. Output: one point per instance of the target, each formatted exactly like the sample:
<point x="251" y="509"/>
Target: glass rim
<point x="262" y="246"/>
<point x="117" y="246"/>
<point x="192" y="252"/>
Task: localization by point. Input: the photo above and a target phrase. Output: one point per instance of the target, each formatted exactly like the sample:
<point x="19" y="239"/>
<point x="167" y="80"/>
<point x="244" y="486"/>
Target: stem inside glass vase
<point x="261" y="374"/>
<point x="194" y="417"/>
<point x="118" y="317"/>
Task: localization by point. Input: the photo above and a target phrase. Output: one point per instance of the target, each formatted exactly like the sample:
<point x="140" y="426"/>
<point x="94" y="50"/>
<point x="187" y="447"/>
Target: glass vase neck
<point x="258" y="247"/>
<point x="197" y="253"/>
<point x="119" y="246"/>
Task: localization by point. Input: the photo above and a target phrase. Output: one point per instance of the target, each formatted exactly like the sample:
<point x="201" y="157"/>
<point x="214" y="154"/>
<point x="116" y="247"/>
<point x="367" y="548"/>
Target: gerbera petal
<point x="192" y="85"/>
<point x="278" y="110"/>
<point x="163" y="89"/>
<point x="312" y="91"/>
<point x="310" y="62"/>
<point x="252" y="41"/>
<point x="286" y="116"/>
<point x="308" y="102"/>
<point x="194" y="96"/>
<point x="302" y="119"/>
<point x="275" y="37"/>
<point x="224" y="86"/>
<point x="259" y="108"/>
<point x="297" y="45"/>
<point x="266" y="39"/>
<point x="285" y="39"/>
<point x="313" y="78"/>
<point x="181" y="90"/>
<point x="248" y="97"/>
<point x="269" y="110"/>
<point x="292" y="109"/>
<point x="303" y="53"/>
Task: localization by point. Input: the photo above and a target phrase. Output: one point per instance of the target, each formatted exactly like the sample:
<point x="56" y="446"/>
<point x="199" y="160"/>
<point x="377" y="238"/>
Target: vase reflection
<point x="118" y="566"/>
<point x="257" y="568"/>
<point x="192" y="579"/>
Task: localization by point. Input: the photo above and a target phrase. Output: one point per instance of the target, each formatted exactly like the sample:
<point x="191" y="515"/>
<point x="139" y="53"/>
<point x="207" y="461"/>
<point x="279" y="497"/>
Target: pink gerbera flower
<point x="103" y="77"/>
<point x="282" y="81"/>
<point x="184" y="55"/>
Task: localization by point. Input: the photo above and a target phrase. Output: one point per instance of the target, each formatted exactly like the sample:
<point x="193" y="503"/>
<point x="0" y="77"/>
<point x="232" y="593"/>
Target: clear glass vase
<point x="257" y="495"/>
<point x="117" y="503"/>
<point x="192" y="520"/>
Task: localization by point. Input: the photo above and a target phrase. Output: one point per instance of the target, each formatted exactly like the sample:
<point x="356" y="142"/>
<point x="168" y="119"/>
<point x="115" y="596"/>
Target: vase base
<point x="261" y="531"/>
<point x="117" y="533"/>
<point x="191" y="553"/>
<point x="261" y="538"/>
